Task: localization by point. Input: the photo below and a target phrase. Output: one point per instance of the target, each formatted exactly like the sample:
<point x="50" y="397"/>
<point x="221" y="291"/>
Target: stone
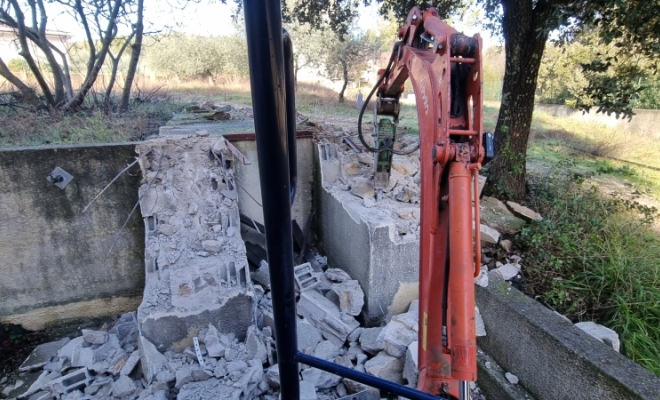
<point x="386" y="367"/>
<point x="308" y="336"/>
<point x="214" y="348"/>
<point x="507" y="271"/>
<point x="398" y="334"/>
<point x="369" y="340"/>
<point x="321" y="379"/>
<point x="273" y="376"/>
<point x="200" y="374"/>
<point x="94" y="337"/>
<point x="123" y="387"/>
<point x="254" y="346"/>
<point x="511" y="378"/>
<point x="326" y="350"/>
<point x="326" y="316"/>
<point x="130" y="364"/>
<point x="307" y="391"/>
<point x="480" y="327"/>
<point x="337" y="275"/>
<point x="355" y="335"/>
<point x="351" y="296"/>
<point x="488" y="234"/>
<point x="602" y="333"/>
<point x="496" y="215"/>
<point x="506" y="245"/>
<point x="410" y="367"/>
<point x="482" y="278"/>
<point x="362" y="187"/>
<point x="42" y="354"/>
<point x="183" y="376"/>
<point x="524" y="212"/>
<point x="82" y="356"/>
<point x="212" y="246"/>
<point x="151" y="359"/>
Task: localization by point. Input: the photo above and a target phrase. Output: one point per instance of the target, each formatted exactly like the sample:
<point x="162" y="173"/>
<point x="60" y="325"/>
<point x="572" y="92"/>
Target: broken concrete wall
<point x="365" y="239"/>
<point x="196" y="268"/>
<point x="54" y="259"/>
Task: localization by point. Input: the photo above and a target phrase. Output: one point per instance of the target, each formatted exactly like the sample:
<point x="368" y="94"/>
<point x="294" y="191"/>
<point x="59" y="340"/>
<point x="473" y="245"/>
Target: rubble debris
<point x="410" y="369"/>
<point x="511" y="378"/>
<point x="326" y="316"/>
<point x="385" y="366"/>
<point x="506" y="245"/>
<point x="304" y="277"/>
<point x="42" y="354"/>
<point x="350" y="295"/>
<point x="482" y="278"/>
<point x="489" y="235"/>
<point x="496" y="215"/>
<point x="369" y="340"/>
<point x="602" y="333"/>
<point x="480" y="327"/>
<point x="398" y="334"/>
<point x="308" y="335"/>
<point x="507" y="271"/>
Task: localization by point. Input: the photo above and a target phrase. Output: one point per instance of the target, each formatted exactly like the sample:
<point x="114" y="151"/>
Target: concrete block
<point x="602" y="333"/>
<point x="350" y="295"/>
<point x="214" y="348"/>
<point x="307" y="391"/>
<point x="72" y="381"/>
<point x="386" y="367"/>
<point x="123" y="387"/>
<point x="42" y="354"/>
<point x="410" y="367"/>
<point x="94" y="337"/>
<point x="530" y="340"/>
<point x="304" y="277"/>
<point x="366" y="245"/>
<point x="308" y="335"/>
<point x="398" y="334"/>
<point x="151" y="360"/>
<point x="369" y="340"/>
<point x="326" y="316"/>
<point x="507" y="271"/>
<point x="488" y="234"/>
<point x="130" y="364"/>
<point x="326" y="350"/>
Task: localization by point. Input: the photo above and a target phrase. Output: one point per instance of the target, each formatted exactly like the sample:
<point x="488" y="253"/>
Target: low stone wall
<point x="54" y="259"/>
<point x="644" y="122"/>
<point x="552" y="358"/>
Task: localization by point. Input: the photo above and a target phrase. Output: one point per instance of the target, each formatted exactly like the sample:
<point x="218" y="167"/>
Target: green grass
<point x="596" y="259"/>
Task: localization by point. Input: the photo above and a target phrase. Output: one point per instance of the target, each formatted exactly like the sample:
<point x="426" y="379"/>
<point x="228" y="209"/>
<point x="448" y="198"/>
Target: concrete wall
<point x="552" y="358"/>
<point x="645" y="122"/>
<point x="54" y="259"/>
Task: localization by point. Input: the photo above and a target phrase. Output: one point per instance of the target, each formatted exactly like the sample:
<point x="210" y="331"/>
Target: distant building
<point x="10" y="47"/>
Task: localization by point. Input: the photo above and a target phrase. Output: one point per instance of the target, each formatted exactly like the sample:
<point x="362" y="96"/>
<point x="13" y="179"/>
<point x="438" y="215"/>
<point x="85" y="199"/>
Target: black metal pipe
<point x="290" y="83"/>
<point x="366" y="379"/>
<point x="263" y="23"/>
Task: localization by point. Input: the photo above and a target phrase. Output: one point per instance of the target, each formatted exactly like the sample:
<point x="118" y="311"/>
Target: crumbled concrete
<point x="350" y="295"/>
<point x="123" y="387"/>
<point x="42" y="354"/>
<point x="496" y="215"/>
<point x="369" y="340"/>
<point x="480" y="327"/>
<point x="398" y="334"/>
<point x="94" y="337"/>
<point x="488" y="234"/>
<point x="386" y="367"/>
<point x="410" y="367"/>
<point x="130" y="364"/>
<point x="511" y="378"/>
<point x="602" y="333"/>
<point x="185" y="193"/>
<point x="326" y="316"/>
<point x="308" y="335"/>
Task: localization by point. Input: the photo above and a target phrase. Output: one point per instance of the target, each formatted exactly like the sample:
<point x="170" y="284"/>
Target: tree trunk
<point x="344" y="68"/>
<point x="135" y="56"/>
<point x="524" y="45"/>
<point x="29" y="96"/>
<point x="100" y="59"/>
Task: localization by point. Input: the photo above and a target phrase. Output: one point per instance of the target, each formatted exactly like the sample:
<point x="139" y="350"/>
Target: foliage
<point x="190" y="57"/>
<point x="595" y="258"/>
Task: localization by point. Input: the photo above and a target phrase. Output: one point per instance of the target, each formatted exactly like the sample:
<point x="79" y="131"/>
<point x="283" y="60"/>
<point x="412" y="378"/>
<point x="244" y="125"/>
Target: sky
<point x="214" y="18"/>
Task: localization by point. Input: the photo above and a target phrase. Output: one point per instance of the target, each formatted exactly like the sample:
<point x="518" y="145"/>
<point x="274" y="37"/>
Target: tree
<point x="526" y="25"/>
<point x="99" y="19"/>
<point x="347" y="57"/>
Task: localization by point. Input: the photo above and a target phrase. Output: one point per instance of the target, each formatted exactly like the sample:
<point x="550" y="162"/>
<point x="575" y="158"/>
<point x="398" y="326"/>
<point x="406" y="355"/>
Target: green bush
<point x="595" y="258"/>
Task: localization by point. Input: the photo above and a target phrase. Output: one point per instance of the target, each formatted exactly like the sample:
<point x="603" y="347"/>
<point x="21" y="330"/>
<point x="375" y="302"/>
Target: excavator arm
<point x="444" y="67"/>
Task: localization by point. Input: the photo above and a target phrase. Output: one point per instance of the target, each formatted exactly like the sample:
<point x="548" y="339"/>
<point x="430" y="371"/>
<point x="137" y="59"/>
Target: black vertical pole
<point x="263" y="23"/>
